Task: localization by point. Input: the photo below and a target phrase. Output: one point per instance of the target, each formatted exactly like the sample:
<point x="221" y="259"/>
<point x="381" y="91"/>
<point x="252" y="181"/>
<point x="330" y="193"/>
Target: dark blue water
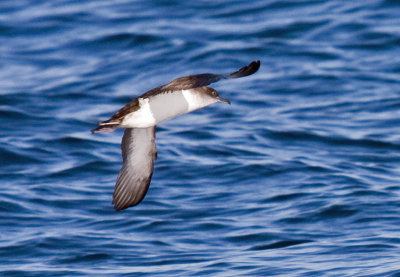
<point x="300" y="176"/>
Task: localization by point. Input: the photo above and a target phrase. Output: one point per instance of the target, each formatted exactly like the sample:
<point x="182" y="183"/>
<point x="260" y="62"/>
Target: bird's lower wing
<point x="138" y="153"/>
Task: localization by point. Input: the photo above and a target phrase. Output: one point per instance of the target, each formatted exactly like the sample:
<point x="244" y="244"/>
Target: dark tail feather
<point x="246" y="71"/>
<point x="105" y="128"/>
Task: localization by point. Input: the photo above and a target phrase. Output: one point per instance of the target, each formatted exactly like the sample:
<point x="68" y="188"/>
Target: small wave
<point x="280" y="244"/>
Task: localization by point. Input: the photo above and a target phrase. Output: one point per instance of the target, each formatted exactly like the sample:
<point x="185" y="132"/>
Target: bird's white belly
<point x="142" y="118"/>
<point x="162" y="107"/>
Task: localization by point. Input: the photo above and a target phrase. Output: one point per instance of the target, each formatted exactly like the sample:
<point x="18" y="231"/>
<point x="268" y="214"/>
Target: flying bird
<point x="140" y="117"/>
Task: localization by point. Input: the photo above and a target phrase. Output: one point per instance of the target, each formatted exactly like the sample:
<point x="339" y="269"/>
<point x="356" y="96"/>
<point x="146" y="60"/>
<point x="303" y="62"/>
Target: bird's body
<point x="164" y="106"/>
<point x="140" y="117"/>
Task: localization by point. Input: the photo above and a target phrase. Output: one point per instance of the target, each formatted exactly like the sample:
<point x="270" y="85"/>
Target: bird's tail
<point x="105" y="127"/>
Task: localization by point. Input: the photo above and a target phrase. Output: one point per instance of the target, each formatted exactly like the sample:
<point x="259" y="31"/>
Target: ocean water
<point x="300" y="176"/>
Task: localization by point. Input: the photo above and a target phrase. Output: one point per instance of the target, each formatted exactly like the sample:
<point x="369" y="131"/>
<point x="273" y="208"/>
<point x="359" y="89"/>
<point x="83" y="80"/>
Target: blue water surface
<point x="300" y="176"/>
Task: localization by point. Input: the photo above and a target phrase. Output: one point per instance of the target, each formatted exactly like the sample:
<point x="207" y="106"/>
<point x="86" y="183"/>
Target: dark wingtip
<point x="246" y="70"/>
<point x="122" y="206"/>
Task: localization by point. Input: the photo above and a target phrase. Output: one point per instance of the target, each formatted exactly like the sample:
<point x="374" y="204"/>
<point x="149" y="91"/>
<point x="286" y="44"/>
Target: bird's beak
<point x="220" y="99"/>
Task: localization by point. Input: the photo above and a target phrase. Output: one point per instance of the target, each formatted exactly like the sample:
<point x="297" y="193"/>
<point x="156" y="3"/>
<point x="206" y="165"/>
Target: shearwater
<point x="140" y="117"/>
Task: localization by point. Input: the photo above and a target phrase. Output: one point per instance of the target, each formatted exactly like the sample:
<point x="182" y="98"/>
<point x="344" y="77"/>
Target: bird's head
<point x="214" y="94"/>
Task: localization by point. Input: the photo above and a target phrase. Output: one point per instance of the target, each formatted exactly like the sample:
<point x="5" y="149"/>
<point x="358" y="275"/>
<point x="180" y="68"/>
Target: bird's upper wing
<point x="188" y="82"/>
<point x="138" y="153"/>
<point x="201" y="80"/>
